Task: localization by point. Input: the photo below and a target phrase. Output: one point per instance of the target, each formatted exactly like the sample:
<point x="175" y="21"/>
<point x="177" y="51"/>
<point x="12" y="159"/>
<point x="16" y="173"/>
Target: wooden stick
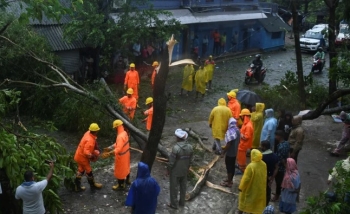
<point x="197" y="137"/>
<point x="164" y="160"/>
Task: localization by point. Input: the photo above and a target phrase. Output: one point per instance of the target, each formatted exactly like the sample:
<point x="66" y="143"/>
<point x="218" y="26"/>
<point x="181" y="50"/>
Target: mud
<point x="185" y="111"/>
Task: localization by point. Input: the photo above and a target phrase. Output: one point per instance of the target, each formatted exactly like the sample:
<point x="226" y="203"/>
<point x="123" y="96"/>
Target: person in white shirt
<point x="31" y="192"/>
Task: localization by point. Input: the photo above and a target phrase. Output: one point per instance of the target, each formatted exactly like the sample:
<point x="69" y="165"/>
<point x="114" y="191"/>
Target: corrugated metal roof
<point x="15" y="9"/>
<point x="274" y="24"/>
<point x="54" y="35"/>
<point x="185" y="16"/>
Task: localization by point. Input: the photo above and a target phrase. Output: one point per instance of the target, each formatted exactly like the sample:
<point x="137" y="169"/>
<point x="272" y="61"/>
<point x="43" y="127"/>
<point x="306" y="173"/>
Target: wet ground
<point x="185" y="111"/>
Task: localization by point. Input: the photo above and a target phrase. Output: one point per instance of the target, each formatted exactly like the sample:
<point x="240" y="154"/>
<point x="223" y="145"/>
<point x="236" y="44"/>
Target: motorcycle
<point x="317" y="65"/>
<point x="251" y="74"/>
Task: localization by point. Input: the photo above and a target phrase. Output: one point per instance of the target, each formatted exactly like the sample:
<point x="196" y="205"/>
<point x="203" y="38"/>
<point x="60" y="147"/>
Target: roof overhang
<point x="185" y="16"/>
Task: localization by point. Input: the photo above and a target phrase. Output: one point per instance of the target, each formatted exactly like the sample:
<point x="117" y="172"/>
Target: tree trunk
<point x="320" y="109"/>
<point x="159" y="112"/>
<point x="300" y="72"/>
<point x="306" y="6"/>
<point x="332" y="6"/>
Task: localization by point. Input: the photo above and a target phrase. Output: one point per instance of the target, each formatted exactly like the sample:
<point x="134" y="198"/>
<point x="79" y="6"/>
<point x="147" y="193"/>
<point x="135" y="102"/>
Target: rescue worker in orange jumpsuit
<point x="129" y="103"/>
<point x="149" y="113"/>
<point x="87" y="151"/>
<point x="233" y="104"/>
<point x="246" y="139"/>
<point x="154" y="73"/>
<point x="121" y="151"/>
<point x="132" y="80"/>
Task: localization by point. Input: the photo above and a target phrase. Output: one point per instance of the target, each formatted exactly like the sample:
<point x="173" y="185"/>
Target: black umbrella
<point x="248" y="97"/>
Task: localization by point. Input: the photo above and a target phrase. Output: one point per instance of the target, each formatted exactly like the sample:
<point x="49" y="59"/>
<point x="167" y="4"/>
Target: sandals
<point x="226" y="184"/>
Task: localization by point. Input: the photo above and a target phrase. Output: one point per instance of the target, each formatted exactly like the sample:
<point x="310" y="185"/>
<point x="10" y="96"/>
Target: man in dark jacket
<point x="179" y="162"/>
<point x="143" y="193"/>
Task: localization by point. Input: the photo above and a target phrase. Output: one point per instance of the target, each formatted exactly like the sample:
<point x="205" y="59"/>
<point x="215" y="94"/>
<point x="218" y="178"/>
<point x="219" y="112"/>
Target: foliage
<point x="131" y="25"/>
<point x="285" y="94"/>
<point x="340" y="203"/>
<point x="53" y="9"/>
<point x="342" y="69"/>
<point x="21" y="151"/>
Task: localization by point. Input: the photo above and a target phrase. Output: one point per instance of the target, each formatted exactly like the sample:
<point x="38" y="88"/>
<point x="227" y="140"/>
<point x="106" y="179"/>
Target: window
<point x="276" y="35"/>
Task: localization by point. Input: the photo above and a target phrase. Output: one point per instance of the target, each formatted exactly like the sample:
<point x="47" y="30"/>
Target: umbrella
<point x="248" y="97"/>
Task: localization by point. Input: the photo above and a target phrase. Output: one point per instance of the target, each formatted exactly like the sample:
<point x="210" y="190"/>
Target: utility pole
<point x="300" y="72"/>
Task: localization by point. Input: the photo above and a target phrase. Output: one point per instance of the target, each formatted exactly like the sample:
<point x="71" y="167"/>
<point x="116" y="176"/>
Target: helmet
<point x="257" y="56"/>
<point x="130" y="91"/>
<point x="94" y="127"/>
<point x="149" y="100"/>
<point x="155" y="63"/>
<point x="320" y="49"/>
<point x="231" y="94"/>
<point x="117" y="123"/>
<point x="210" y="56"/>
<point x="132" y="65"/>
<point x="245" y="111"/>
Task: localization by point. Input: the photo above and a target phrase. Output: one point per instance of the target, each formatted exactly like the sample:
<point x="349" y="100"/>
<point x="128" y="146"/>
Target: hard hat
<point x="117" y="123"/>
<point x="155" y="63"/>
<point x="132" y="65"/>
<point x="149" y="100"/>
<point x="94" y="127"/>
<point x="210" y="56"/>
<point x="245" y="111"/>
<point x="258" y="56"/>
<point x="231" y="94"/>
<point x="130" y="91"/>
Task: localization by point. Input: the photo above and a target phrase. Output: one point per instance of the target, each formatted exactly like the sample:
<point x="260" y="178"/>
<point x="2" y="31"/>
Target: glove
<point x="106" y="154"/>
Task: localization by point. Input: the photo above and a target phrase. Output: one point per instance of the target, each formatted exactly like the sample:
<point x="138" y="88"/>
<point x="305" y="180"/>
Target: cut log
<point x="201" y="181"/>
<point x="197" y="137"/>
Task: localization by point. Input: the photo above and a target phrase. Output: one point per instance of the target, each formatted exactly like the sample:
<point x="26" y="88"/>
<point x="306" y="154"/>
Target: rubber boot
<point x="119" y="186"/>
<point x="78" y="186"/>
<point x="93" y="184"/>
<point x="127" y="181"/>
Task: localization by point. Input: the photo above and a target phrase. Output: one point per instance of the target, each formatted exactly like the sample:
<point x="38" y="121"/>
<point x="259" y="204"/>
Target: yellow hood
<point x="259" y="107"/>
<point x="222" y="102"/>
<point x="255" y="155"/>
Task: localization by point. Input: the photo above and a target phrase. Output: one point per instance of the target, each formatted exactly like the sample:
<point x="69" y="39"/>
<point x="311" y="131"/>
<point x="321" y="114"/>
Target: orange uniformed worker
<point x="234" y="105"/>
<point x="129" y="103"/>
<point x="149" y="113"/>
<point x="246" y="139"/>
<point x="87" y="151"/>
<point x="132" y="80"/>
<point x="154" y="73"/>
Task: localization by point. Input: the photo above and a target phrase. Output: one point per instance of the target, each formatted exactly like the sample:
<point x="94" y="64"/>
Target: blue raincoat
<point x="269" y="128"/>
<point x="143" y="193"/>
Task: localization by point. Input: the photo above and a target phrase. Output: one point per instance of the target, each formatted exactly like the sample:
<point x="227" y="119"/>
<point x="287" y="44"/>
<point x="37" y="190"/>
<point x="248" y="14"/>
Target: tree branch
<point x="313" y="114"/>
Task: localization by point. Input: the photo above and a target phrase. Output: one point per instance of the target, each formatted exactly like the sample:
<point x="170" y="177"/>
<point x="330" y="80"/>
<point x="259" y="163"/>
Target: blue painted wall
<point x="271" y="43"/>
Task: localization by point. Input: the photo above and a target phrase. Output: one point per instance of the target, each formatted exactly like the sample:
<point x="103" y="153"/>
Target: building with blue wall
<point x="247" y="25"/>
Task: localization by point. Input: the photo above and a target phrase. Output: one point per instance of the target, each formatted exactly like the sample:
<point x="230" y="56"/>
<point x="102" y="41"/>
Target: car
<point x="314" y="38"/>
<point x="343" y="36"/>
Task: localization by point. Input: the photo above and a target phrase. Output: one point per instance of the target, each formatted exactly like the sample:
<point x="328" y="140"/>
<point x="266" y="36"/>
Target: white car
<point x="343" y="35"/>
<point x="314" y="38"/>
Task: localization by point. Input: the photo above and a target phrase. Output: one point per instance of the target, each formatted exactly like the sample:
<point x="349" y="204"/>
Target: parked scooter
<point x="251" y="74"/>
<point x="317" y="65"/>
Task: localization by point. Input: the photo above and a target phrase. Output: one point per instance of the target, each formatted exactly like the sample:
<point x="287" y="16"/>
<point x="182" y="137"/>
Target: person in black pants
<point x="282" y="153"/>
<point x="271" y="160"/>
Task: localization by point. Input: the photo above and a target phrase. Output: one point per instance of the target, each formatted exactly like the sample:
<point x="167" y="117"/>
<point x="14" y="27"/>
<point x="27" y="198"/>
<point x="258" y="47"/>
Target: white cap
<point x="181" y="134"/>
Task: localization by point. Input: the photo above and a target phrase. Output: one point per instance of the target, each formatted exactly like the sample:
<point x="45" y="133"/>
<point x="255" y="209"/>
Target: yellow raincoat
<point x="257" y="119"/>
<point x="218" y="119"/>
<point x="209" y="66"/>
<point x="201" y="80"/>
<point x="187" y="80"/>
<point x="252" y="196"/>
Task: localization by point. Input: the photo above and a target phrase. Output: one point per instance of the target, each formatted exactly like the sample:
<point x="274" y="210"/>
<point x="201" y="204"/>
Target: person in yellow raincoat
<point x="252" y="189"/>
<point x="246" y="139"/>
<point x="257" y="119"/>
<point x="218" y="122"/>
<point x="187" y="80"/>
<point x="201" y="81"/>
<point x="209" y="66"/>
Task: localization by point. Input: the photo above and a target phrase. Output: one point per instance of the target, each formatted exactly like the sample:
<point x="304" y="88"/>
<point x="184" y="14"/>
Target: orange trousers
<point x="242" y="159"/>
